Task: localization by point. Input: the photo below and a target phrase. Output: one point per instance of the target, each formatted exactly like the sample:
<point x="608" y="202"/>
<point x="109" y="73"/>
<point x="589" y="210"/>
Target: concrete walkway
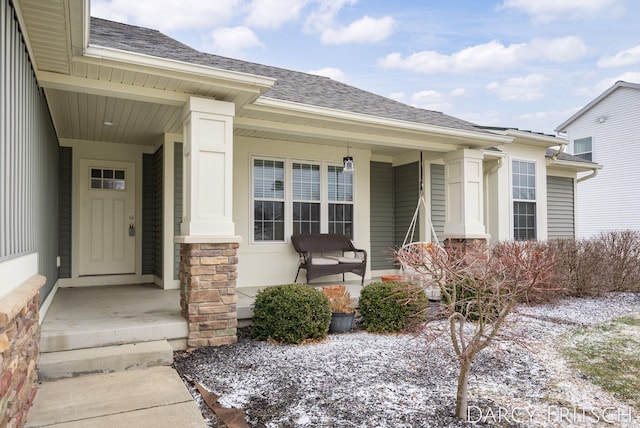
<point x="154" y="398"/>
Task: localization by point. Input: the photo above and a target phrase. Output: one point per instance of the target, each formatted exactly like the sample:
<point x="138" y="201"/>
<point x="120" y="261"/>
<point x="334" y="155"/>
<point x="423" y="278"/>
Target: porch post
<point x="208" y="255"/>
<point x="464" y="196"/>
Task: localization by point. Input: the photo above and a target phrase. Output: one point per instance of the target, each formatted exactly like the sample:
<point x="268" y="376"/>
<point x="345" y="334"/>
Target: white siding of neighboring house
<point x="609" y="201"/>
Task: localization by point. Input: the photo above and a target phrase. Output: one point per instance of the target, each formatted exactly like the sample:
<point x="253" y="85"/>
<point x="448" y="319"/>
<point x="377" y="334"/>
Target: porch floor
<point x="87" y="317"/>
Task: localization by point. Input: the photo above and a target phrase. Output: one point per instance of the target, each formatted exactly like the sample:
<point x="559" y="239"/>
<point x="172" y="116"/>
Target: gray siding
<point x="177" y="204"/>
<point x="407" y="190"/>
<point x="560" y="207"/>
<point x="64" y="213"/>
<point x="382" y="216"/>
<point x="28" y="158"/>
<point x="152" y="219"/>
<point x="437" y="199"/>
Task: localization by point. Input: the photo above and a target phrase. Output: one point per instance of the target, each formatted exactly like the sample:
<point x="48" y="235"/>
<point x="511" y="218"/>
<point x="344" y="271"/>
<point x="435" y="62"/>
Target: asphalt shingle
<point x="290" y="86"/>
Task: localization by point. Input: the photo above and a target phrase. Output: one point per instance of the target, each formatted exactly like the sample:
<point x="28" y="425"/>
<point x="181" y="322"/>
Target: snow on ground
<point x="368" y="380"/>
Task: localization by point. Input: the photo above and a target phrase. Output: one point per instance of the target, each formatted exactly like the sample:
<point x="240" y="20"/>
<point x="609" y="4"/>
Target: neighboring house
<point x="607" y="131"/>
<point x="124" y="150"/>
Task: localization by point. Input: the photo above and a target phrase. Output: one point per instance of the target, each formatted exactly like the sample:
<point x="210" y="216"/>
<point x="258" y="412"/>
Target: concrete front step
<point x="106" y="335"/>
<point x="108" y="359"/>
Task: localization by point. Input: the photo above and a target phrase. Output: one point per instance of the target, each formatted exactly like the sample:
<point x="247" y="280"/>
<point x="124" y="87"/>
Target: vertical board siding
<point x="177" y="204"/>
<point x="437" y="199"/>
<point x="382" y="216"/>
<point x="560" y="207"/>
<point x="152" y="214"/>
<point x="158" y="213"/>
<point x="148" y="212"/>
<point x="28" y="158"/>
<point x="64" y="211"/>
<point x="407" y="190"/>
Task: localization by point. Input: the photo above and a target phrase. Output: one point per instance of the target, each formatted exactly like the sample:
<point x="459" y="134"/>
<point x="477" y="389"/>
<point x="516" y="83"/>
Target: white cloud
<point x="322" y="17"/>
<point x="332" y="73"/>
<point x="272" y="13"/>
<point x="232" y="41"/>
<point x="166" y="15"/>
<point x="528" y="88"/>
<point x="630" y="76"/>
<point x="544" y="11"/>
<point x="630" y="56"/>
<point x="364" y="30"/>
<point x="430" y="100"/>
<point x="458" y="92"/>
<point x="398" y="96"/>
<point x="562" y="49"/>
<point x="491" y="56"/>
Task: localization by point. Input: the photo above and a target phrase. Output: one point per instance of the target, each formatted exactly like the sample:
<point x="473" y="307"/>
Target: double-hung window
<point x="523" y="177"/>
<point x="583" y="147"/>
<point x="340" y="201"/>
<point x="268" y="200"/>
<point x="291" y="196"/>
<point x="306" y="197"/>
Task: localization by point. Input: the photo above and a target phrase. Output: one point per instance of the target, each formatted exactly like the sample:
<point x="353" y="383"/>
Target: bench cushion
<point x="324" y="261"/>
<point x="346" y="259"/>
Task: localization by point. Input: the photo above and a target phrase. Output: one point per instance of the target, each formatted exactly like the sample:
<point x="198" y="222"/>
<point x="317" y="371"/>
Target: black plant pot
<point x="341" y="322"/>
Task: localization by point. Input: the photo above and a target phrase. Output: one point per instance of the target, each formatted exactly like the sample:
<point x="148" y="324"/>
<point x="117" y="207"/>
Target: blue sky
<point x="528" y="64"/>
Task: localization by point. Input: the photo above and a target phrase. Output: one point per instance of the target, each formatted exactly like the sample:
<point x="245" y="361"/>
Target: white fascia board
<point x="181" y="67"/>
<point x="533" y="139"/>
<point x="573" y="166"/>
<point x="480" y="137"/>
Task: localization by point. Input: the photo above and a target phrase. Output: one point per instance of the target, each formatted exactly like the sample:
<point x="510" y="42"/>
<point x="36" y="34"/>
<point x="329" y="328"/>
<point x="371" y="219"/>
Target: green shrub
<point x="391" y="306"/>
<point x="291" y="314"/>
<point x="470" y="298"/>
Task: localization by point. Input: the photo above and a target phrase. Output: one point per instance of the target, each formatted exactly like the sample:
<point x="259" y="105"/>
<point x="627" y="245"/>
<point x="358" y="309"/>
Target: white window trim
<point x="288" y="197"/>
<point x="582" y="153"/>
<point x="512" y="199"/>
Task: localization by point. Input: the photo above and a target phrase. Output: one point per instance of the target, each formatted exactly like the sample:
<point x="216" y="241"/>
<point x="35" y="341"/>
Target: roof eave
<point x="620" y="83"/>
<point x="480" y="139"/>
<point x="179" y="67"/>
<point x="573" y="166"/>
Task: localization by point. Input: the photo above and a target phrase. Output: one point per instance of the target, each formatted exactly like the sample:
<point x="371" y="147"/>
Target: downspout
<point x="554" y="157"/>
<point x="594" y="172"/>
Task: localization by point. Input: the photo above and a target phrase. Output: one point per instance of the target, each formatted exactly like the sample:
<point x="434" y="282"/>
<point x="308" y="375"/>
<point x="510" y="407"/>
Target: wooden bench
<point x="324" y="254"/>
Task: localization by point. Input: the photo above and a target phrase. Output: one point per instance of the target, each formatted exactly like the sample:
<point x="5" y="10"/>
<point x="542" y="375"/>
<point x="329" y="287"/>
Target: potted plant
<point x="343" y="308"/>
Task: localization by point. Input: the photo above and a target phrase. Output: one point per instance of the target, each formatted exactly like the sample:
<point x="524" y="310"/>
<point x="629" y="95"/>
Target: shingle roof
<point x="290" y="86"/>
<point x="567" y="157"/>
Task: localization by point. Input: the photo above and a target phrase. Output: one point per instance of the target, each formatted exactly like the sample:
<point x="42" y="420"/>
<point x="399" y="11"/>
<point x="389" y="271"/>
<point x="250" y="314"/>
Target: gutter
<point x="554" y="157"/>
<point x="594" y="172"/>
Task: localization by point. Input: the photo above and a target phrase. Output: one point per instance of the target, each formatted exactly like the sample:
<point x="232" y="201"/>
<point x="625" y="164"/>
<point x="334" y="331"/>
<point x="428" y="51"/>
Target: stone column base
<point x="208" y="293"/>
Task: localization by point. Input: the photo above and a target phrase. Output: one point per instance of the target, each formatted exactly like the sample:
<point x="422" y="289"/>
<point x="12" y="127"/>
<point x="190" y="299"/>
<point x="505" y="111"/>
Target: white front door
<point x="107" y="218"/>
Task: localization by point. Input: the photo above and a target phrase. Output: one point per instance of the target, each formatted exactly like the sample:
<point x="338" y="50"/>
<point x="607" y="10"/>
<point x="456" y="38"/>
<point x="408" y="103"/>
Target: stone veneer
<point x="19" y="345"/>
<point x="208" y="293"/>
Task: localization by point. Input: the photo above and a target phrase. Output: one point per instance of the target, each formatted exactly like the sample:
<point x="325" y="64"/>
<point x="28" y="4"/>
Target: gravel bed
<point x="367" y="380"/>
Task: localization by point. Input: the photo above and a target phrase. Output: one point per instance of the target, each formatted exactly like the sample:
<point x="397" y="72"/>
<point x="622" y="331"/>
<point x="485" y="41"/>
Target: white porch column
<point x="464" y="195"/>
<point x="208" y="164"/>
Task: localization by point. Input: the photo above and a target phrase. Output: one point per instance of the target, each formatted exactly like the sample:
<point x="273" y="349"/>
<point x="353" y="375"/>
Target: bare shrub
<point x="480" y="286"/>
<point x="590" y="267"/>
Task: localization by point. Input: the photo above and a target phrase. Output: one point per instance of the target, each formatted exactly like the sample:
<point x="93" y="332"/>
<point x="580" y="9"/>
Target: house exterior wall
<point x="498" y="193"/>
<point x="438" y="199"/>
<point x="406" y="179"/>
<point x="265" y="263"/>
<point x="107" y="152"/>
<point x="561" y="207"/>
<point x="382" y="216"/>
<point x="608" y="201"/>
<point x="28" y="168"/>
